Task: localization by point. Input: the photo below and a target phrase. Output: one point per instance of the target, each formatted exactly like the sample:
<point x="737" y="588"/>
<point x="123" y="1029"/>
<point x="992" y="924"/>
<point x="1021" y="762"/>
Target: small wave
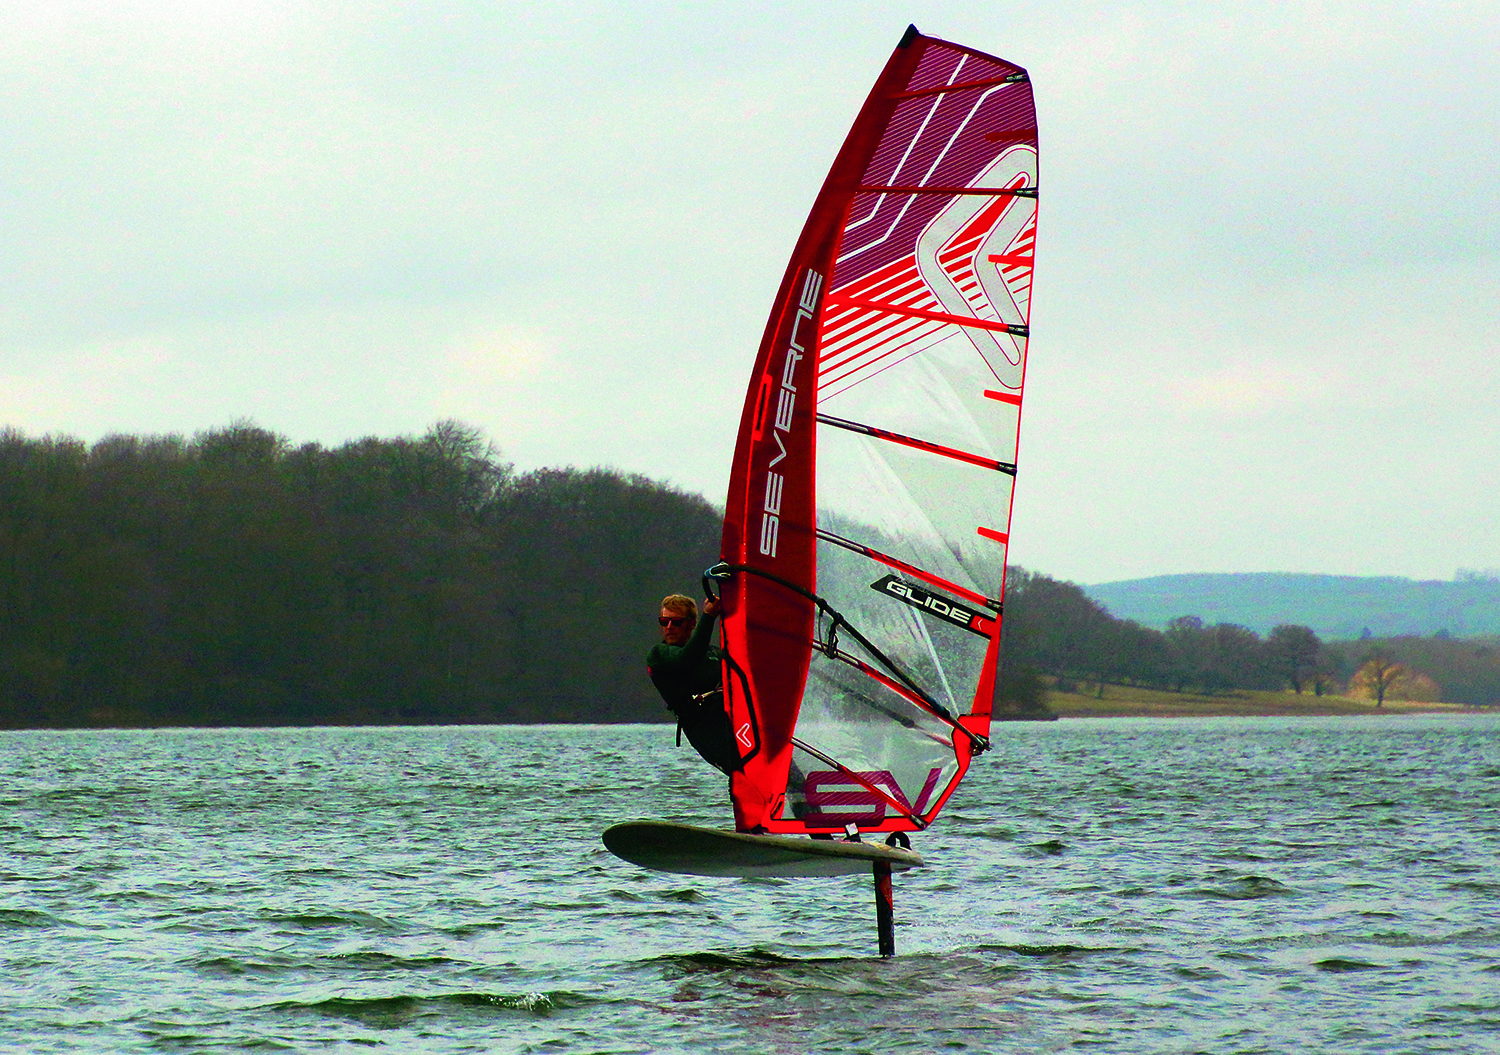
<point x="694" y="962"/>
<point x="688" y="895"/>
<point x="469" y="930"/>
<point x="1474" y="886"/>
<point x="23" y="917"/>
<point x="24" y="877"/>
<point x="1198" y="974"/>
<point x="1246" y="888"/>
<point x="318" y="920"/>
<point x="1239" y="855"/>
<point x="1050" y="848"/>
<point x="235" y="966"/>
<point x="135" y="896"/>
<point x="90" y="794"/>
<point x="1340" y="965"/>
<point x="316" y="873"/>
<point x="536" y="1003"/>
<point x="364" y="961"/>
<point x="1057" y="952"/>
<point x="390" y="1012"/>
<point x="393" y="1012"/>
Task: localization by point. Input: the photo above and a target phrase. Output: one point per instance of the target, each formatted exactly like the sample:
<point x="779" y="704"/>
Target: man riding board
<point x="686" y="670"/>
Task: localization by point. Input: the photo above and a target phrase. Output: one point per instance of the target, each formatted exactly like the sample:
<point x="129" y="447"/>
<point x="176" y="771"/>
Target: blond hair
<point x="681" y="604"/>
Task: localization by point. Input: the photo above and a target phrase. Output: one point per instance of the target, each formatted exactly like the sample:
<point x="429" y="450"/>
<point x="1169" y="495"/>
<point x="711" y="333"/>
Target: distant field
<point x="1121" y="701"/>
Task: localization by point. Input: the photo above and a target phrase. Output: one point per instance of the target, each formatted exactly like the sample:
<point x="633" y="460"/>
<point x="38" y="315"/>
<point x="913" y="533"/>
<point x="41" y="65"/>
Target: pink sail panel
<point x="869" y="507"/>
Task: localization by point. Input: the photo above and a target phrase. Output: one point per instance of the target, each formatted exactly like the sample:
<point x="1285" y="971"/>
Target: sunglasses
<point x="676" y="620"/>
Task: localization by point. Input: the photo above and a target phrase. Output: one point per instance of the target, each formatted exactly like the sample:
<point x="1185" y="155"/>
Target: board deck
<point x="690" y="850"/>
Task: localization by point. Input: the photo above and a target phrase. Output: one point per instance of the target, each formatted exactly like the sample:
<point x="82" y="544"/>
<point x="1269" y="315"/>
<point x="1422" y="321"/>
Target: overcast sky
<point x="1266" y="311"/>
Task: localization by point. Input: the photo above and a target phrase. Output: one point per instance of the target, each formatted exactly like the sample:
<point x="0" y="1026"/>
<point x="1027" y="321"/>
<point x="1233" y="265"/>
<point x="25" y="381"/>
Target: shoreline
<point x="1125" y="702"/>
<point x="1118" y="702"/>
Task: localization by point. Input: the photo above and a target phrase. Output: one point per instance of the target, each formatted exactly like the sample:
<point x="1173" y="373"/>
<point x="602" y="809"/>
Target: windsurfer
<point x="685" y="668"/>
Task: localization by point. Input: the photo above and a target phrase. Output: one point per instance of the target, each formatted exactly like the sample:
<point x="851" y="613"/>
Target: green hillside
<point x="1334" y="606"/>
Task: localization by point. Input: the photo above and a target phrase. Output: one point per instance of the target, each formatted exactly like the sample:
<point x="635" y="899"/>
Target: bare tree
<point x="1379" y="672"/>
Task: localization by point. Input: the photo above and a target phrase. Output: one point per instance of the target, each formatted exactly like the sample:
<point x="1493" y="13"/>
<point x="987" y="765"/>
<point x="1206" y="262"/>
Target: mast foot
<point x="885" y="909"/>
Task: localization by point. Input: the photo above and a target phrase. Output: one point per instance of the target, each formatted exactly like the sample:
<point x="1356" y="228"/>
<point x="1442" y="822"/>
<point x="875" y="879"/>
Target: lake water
<point x="1113" y="885"/>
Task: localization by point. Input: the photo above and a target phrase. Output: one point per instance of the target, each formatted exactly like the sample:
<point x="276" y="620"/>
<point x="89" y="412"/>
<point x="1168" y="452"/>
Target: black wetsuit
<point x="688" y="678"/>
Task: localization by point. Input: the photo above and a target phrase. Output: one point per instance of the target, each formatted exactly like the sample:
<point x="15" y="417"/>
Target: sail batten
<point x="910" y="569"/>
<point x="1014" y="78"/>
<point x="884" y="407"/>
<point x="999" y="192"/>
<point x="918" y="444"/>
<point x="933" y="316"/>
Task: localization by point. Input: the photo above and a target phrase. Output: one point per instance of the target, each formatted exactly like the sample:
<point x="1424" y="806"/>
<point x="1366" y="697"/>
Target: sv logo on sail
<point x="786" y="405"/>
<point x="837" y="798"/>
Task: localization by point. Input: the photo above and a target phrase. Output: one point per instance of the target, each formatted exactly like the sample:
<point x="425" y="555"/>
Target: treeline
<point x="235" y="579"/>
<point x="1053" y="629"/>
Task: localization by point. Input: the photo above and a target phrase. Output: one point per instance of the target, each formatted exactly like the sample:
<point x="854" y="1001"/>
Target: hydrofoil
<point x="689" y="850"/>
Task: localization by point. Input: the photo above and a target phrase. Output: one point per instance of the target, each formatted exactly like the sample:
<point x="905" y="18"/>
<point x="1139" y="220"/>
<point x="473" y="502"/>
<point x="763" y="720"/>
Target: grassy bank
<point x="1123" y="701"/>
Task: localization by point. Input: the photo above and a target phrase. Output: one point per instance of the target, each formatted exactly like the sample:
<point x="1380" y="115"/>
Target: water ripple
<point x="1129" y="886"/>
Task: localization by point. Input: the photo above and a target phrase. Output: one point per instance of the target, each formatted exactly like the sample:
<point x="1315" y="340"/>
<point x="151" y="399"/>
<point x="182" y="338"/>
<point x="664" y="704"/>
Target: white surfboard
<point x="690" y="850"/>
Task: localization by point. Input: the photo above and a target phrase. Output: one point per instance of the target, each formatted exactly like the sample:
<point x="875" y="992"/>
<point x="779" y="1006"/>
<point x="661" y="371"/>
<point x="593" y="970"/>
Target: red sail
<point x="869" y="502"/>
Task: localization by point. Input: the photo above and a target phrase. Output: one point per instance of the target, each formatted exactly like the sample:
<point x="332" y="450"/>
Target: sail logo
<point x="949" y="611"/>
<point x="840" y="798"/>
<point x="976" y="259"/>
<point x="786" y="407"/>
